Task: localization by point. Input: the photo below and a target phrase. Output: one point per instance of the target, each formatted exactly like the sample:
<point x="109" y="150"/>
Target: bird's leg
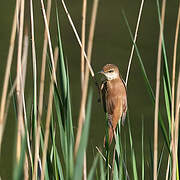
<point x="110" y="121"/>
<point x="110" y="124"/>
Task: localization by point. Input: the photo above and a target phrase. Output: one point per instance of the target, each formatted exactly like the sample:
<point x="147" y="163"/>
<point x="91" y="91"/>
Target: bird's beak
<point x="101" y="72"/>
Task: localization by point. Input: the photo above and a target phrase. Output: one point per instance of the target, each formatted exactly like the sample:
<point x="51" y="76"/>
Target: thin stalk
<point x="20" y="131"/>
<point x="176" y="134"/>
<point x="157" y="92"/>
<point x="168" y="166"/>
<point x="172" y="100"/>
<point x="23" y="78"/>
<point x="83" y="40"/>
<point x="49" y="40"/>
<point x="107" y="162"/>
<point x="113" y="163"/>
<point x="77" y="36"/>
<point x="102" y="156"/>
<point x="91" y="35"/>
<point x="84" y="95"/>
<point x="7" y="73"/>
<point x="26" y="164"/>
<point x="48" y="117"/>
<point x="24" y="56"/>
<point x="134" y="40"/>
<point x="107" y="150"/>
<point x="34" y="62"/>
<point x="26" y="168"/>
<point x="41" y="92"/>
<point x="83" y="72"/>
<point x="84" y="167"/>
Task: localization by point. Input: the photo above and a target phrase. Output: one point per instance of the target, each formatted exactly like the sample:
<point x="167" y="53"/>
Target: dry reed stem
<point x="177" y="112"/>
<point x="24" y="56"/>
<point x="20" y="131"/>
<point x="77" y="36"/>
<point x="168" y="166"/>
<point x="176" y="133"/>
<point x="48" y="117"/>
<point x="26" y="168"/>
<point x="83" y="41"/>
<point x="7" y="72"/>
<point x="172" y="98"/>
<point x="91" y="35"/>
<point x="41" y="92"/>
<point x="82" y="70"/>
<point x="102" y="156"/>
<point x="17" y="15"/>
<point x="84" y="94"/>
<point x="174" y="153"/>
<point x="84" y="167"/>
<point x="33" y="60"/>
<point x="134" y="40"/>
<point x="49" y="41"/>
<point x="23" y="78"/>
<point x="157" y="91"/>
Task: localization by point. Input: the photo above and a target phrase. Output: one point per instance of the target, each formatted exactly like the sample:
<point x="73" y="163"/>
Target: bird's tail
<point x="111" y="134"/>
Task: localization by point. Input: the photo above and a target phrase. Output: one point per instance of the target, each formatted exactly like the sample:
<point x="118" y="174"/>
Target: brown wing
<point x="124" y="101"/>
<point x="124" y="109"/>
<point x="114" y="114"/>
<point x="114" y="95"/>
<point x="114" y="102"/>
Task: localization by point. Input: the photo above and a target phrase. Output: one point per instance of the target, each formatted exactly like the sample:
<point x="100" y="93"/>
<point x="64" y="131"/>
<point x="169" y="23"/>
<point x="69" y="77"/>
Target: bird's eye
<point x="110" y="71"/>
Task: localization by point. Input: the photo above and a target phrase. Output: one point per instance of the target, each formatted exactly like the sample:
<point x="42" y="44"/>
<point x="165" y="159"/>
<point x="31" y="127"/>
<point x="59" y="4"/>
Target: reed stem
<point x="156" y="113"/>
<point x="41" y="92"/>
<point x="174" y="131"/>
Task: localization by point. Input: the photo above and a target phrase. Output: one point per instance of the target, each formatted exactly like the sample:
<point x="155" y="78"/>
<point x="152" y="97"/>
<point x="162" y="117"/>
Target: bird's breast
<point x="115" y="88"/>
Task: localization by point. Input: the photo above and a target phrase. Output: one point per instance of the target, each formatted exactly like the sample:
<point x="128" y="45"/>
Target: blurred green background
<point x="112" y="44"/>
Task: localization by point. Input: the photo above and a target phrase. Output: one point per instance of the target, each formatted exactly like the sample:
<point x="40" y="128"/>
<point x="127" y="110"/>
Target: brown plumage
<point x="114" y="97"/>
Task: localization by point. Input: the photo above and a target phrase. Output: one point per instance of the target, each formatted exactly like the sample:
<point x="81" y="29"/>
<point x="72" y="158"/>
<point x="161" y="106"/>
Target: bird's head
<point x="110" y="71"/>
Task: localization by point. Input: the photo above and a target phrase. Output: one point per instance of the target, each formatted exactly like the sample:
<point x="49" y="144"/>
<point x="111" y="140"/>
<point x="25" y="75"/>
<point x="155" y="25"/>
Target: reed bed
<point x="46" y="145"/>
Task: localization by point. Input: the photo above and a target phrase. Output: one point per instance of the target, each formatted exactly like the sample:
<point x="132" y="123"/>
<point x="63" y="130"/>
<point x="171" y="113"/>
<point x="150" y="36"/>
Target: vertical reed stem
<point x="34" y="62"/>
<point x="41" y="92"/>
<point x="176" y="133"/>
<point x="84" y="95"/>
<point x="174" y="139"/>
<point x="83" y="40"/>
<point x="20" y="131"/>
<point x="48" y="117"/>
<point x="82" y="72"/>
<point x="49" y="40"/>
<point x="157" y="91"/>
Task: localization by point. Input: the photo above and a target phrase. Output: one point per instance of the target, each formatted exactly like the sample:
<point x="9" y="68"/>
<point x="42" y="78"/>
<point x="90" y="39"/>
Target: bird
<point x="114" y="98"/>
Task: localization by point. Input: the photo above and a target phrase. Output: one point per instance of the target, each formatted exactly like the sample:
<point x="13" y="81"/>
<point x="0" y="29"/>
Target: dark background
<point x="112" y="44"/>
